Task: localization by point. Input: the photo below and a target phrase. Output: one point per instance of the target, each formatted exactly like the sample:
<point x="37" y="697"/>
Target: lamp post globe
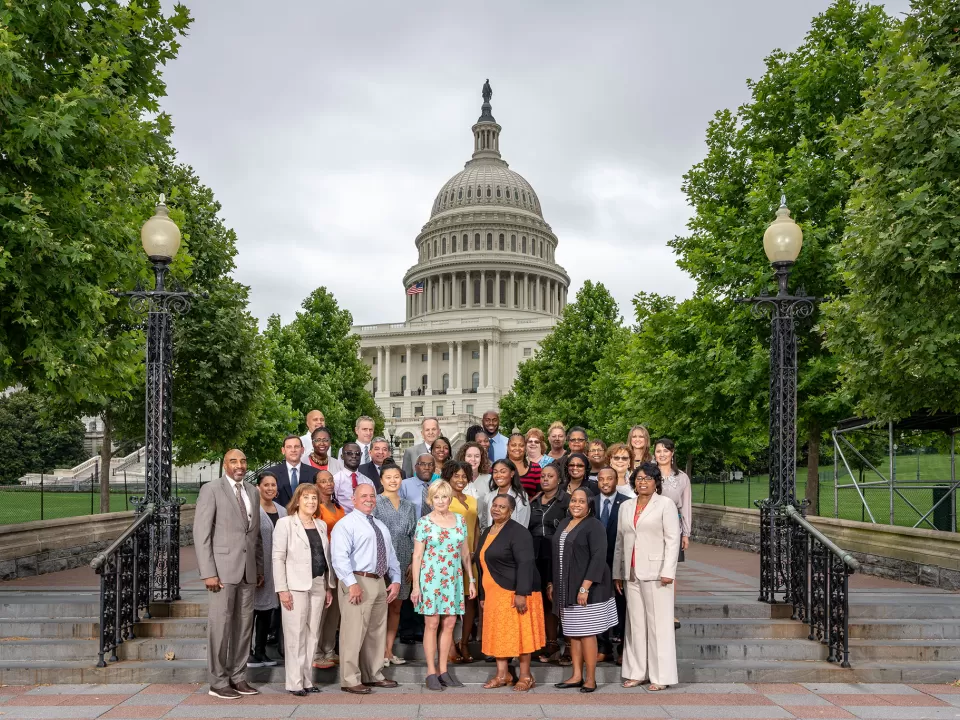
<point x="783" y="238"/>
<point x="160" y="235"/>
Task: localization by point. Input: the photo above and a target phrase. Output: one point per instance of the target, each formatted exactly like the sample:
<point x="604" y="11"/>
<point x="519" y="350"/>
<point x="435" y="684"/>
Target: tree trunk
<point x="689" y="468"/>
<point x="106" y="455"/>
<point x="813" y="469"/>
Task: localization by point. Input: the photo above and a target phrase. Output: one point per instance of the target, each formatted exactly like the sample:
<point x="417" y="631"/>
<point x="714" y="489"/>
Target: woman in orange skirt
<point x="510" y="595"/>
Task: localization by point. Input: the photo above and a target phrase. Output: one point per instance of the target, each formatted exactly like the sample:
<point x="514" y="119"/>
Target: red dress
<point x="531" y="481"/>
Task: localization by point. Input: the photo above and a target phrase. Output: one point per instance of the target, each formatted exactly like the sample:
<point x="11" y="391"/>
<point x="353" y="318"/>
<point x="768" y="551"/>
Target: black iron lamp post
<point x="394" y="439"/>
<point x="161" y="240"/>
<point x="781" y="242"/>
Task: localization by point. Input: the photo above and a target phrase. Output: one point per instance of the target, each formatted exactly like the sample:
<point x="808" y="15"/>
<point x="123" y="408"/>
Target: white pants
<point x="301" y="628"/>
<point x="649" y="648"/>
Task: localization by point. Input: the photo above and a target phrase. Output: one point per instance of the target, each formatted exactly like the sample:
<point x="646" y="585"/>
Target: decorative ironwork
<point x="124" y="570"/>
<point x="161" y="304"/>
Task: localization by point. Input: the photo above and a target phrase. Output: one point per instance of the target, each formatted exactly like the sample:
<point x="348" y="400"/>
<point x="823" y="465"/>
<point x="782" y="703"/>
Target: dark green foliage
<point x="36" y="436"/>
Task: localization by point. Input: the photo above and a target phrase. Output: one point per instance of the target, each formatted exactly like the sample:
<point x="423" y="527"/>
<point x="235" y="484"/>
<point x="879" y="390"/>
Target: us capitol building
<point x="486" y="289"/>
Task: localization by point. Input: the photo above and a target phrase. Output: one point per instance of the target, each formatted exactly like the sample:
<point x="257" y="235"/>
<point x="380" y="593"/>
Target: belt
<point x="366" y="574"/>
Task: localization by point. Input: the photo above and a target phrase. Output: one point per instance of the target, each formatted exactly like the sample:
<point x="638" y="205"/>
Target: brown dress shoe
<point x="383" y="684"/>
<point x="224" y="693"/>
<point x="244" y="688"/>
<point x="357" y="690"/>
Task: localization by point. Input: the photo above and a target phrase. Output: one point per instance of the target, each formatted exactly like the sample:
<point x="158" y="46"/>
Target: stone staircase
<point x="727" y="636"/>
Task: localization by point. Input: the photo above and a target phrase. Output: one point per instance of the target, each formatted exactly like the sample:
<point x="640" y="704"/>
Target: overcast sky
<point x="326" y="129"/>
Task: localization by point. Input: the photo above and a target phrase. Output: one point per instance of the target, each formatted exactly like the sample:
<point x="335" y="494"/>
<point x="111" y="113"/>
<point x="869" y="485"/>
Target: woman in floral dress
<point x="441" y="557"/>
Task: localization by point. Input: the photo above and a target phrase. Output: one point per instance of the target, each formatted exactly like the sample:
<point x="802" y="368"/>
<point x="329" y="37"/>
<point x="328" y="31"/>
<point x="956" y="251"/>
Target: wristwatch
<point x="584" y="590"/>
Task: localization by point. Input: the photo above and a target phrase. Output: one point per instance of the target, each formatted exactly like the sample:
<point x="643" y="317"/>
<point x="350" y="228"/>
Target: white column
<point x="429" y="368"/>
<point x="495" y="364"/>
<point x="537" y="299"/>
<point x="452" y="380"/>
<point x="459" y="366"/>
<point x="386" y="370"/>
<point x="380" y="369"/>
<point x="469" y="287"/>
<point x="512" y="292"/>
<point x="496" y="291"/>
<point x="407" y="372"/>
<point x="483" y="369"/>
<point x="483" y="288"/>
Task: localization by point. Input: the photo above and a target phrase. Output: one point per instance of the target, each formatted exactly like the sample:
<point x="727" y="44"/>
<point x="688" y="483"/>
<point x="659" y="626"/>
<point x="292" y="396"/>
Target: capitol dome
<point x="486" y="244"/>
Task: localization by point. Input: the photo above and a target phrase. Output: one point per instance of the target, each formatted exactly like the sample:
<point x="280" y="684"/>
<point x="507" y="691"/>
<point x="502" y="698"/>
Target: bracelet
<point x="584" y="590"/>
<point x="472" y="581"/>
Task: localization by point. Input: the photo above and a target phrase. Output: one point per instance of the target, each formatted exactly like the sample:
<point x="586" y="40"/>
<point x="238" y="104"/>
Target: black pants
<point x="411" y="622"/>
<point x="264" y="622"/>
<point x="614" y="636"/>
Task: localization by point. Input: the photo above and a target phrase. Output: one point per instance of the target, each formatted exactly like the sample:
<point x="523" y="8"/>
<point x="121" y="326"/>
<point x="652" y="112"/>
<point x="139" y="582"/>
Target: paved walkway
<point x="694" y="702"/>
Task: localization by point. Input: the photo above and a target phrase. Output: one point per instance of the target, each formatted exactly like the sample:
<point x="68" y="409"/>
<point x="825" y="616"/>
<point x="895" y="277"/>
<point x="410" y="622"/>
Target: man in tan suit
<point x="226" y="535"/>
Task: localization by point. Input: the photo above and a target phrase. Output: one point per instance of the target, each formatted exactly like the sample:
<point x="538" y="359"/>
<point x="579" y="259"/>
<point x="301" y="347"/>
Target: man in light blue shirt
<point x="363" y="557"/>
<point x="415" y="488"/>
<point x="498" y="442"/>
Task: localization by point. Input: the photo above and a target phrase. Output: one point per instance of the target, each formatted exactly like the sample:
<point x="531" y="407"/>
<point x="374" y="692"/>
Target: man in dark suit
<point x="291" y="472"/>
<point x="606" y="505"/>
<point x="379" y="451"/>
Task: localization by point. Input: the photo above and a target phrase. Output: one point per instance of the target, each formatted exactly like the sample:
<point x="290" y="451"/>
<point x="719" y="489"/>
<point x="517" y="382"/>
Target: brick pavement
<point x="806" y="701"/>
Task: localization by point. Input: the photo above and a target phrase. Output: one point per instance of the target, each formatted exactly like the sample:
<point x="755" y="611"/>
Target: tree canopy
<point x="36" y="435"/>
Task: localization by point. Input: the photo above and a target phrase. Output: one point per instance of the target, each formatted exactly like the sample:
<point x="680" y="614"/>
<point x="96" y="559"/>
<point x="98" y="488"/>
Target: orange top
<point x="331" y="518"/>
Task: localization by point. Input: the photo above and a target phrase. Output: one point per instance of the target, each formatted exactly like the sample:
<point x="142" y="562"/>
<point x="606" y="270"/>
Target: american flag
<point x="415" y="289"/>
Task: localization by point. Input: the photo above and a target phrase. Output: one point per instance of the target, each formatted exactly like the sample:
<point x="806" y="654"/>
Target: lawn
<point x="23" y="505"/>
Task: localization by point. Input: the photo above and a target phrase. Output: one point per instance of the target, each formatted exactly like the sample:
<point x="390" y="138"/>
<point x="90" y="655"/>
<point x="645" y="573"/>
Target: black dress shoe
<point x="299" y="693"/>
<point x="566" y="685"/>
<point x="586" y="689"/>
<point x="382" y="684"/>
<point x="313" y="689"/>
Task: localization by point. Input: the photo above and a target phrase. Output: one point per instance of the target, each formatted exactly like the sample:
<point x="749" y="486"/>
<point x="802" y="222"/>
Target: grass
<point x="21" y="505"/>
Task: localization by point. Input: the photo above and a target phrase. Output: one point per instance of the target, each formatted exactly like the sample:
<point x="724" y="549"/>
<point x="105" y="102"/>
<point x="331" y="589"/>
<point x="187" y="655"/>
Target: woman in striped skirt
<point x="580" y="590"/>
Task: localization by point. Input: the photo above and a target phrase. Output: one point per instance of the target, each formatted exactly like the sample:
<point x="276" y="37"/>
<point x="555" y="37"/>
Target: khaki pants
<point x="301" y="628"/>
<point x="229" y="630"/>
<point x="328" y="629"/>
<point x="649" y="648"/>
<point x="363" y="633"/>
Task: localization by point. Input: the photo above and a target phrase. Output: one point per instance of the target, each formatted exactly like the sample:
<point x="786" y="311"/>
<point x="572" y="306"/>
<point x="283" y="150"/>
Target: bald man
<point x="314" y="419"/>
<point x="226" y="536"/>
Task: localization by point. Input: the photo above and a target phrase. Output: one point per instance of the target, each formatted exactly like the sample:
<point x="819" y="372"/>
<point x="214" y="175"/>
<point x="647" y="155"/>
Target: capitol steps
<point x="51" y="638"/>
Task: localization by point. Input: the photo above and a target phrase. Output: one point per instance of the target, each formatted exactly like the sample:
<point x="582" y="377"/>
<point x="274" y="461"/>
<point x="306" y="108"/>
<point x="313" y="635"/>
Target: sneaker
<point x="386" y="662"/>
<point x="398" y="660"/>
<point x="269" y="662"/>
<point x="224" y="693"/>
<point x="256" y="661"/>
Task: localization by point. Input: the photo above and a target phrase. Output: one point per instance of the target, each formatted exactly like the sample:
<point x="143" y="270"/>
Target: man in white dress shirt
<point x="430" y="430"/>
<point x="314" y="420"/>
<point x="363" y="429"/>
<point x="363" y="557"/>
<point x="345" y="481"/>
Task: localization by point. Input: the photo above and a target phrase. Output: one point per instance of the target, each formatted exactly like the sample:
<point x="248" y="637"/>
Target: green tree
<point x="555" y="383"/>
<point x="36" y="436"/>
<point x="783" y="138"/>
<point x="316" y="366"/>
<point x="897" y="329"/>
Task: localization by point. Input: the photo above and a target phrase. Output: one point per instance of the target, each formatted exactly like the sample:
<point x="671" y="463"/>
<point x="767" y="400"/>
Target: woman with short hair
<point x="575" y="470"/>
<point x="304" y="579"/>
<point x="537" y="448"/>
<point x="597" y="452"/>
<point x="621" y="460"/>
<point x="441" y="556"/>
<point x="505" y="480"/>
<point x="580" y="588"/>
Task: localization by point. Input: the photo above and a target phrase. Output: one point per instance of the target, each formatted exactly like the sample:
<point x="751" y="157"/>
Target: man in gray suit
<point x="430" y="430"/>
<point x="226" y="535"/>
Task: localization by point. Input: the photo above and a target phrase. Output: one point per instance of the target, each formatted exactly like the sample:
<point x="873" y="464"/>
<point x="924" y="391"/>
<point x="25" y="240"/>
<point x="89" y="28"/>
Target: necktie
<point x="381" y="549"/>
<point x="605" y="515"/>
<point x="353" y="480"/>
<point x="243" y="507"/>
<point x="366" y="455"/>
<point x="294" y="480"/>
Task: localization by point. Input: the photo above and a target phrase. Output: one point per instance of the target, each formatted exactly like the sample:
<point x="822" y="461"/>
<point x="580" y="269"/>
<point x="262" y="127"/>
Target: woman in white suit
<point x="303" y="576"/>
<point x="644" y="568"/>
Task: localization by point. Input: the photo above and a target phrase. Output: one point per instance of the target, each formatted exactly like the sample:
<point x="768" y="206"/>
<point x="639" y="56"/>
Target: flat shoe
<point x="631" y="683"/>
<point x="313" y="689"/>
<point x="397" y="660"/>
<point x="299" y="693"/>
<point x="449" y="680"/>
<point x="566" y="685"/>
<point x="586" y="689"/>
<point x="433" y="683"/>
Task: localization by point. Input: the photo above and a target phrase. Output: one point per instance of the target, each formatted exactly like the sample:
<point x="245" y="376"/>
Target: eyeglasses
<point x="351" y="452"/>
<point x="621" y="457"/>
<point x="576" y="465"/>
<point x="424" y="464"/>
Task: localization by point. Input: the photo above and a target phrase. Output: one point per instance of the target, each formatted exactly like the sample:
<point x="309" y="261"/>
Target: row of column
<point x="523" y="291"/>
<point x="491" y="352"/>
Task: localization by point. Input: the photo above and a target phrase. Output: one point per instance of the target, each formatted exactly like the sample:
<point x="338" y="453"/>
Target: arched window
<point x="502" y="242"/>
<point x="479" y="192"/>
<point x="460" y="194"/>
<point x="490" y="291"/>
<point x="508" y="193"/>
<point x="476" y="291"/>
<point x="428" y="251"/>
<point x="469" y="192"/>
<point x="443" y="246"/>
<point x="489" y="192"/>
<point x="475" y="381"/>
<point x="498" y="191"/>
<point x="489" y="241"/>
<point x="476" y="241"/>
<point x="434" y="248"/>
<point x="513" y="243"/>
<point x="446" y="382"/>
<point x="453" y="243"/>
<point x="524" y="196"/>
<point x="541" y="248"/>
<point x="403" y="383"/>
<point x="423" y="381"/>
<point x="523" y="244"/>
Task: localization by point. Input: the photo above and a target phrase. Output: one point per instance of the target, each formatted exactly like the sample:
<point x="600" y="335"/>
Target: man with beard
<point x="498" y="442"/>
<point x="345" y="481"/>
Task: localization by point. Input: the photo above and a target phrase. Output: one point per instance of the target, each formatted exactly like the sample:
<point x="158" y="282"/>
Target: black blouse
<point x="317" y="559"/>
<point x="510" y="559"/>
<point x="584" y="558"/>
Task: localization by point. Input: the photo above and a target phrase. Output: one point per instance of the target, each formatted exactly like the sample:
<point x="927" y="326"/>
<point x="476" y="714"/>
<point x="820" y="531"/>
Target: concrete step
<point x="17" y="606"/>
<point x="880" y="629"/>
<point x="724" y="628"/>
<point x="935" y="606"/>
<point x="917" y="650"/>
<point x="172" y="628"/>
<point x="52" y="649"/>
<point x="750" y="649"/>
<point x="77" y="628"/>
<point x="769" y="671"/>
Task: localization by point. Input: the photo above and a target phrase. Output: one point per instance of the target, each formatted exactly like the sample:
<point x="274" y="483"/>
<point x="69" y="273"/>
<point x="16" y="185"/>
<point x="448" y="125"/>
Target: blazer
<point x="227" y="545"/>
<point x="656" y="540"/>
<point x="510" y="559"/>
<point x="373" y="472"/>
<point x="292" y="560"/>
<point x="617" y="500"/>
<point x="307" y="474"/>
<point x="584" y="558"/>
<point x="410" y="458"/>
<point x="265" y="598"/>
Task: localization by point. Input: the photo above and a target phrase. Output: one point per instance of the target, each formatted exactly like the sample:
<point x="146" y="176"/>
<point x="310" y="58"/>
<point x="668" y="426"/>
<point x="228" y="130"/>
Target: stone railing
<point x="913" y="555"/>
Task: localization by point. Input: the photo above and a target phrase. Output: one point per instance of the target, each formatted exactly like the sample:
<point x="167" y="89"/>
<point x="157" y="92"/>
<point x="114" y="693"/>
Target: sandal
<point x="497" y="682"/>
<point x="566" y="660"/>
<point x="465" y="656"/>
<point x="631" y="683"/>
<point x="525" y="684"/>
<point x="653" y="687"/>
<point x="551" y="651"/>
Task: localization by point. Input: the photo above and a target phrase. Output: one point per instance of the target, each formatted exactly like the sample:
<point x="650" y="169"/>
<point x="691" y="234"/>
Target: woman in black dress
<point x="580" y="590"/>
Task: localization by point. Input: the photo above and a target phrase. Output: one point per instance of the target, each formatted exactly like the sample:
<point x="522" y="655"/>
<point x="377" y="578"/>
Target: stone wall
<point x="924" y="557"/>
<point x="46" y="546"/>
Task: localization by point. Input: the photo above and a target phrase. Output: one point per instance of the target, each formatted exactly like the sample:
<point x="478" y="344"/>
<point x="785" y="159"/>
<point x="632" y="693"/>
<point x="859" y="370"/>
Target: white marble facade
<point x="492" y="290"/>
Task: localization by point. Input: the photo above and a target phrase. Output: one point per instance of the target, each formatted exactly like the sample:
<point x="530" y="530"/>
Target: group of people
<point x="545" y="544"/>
